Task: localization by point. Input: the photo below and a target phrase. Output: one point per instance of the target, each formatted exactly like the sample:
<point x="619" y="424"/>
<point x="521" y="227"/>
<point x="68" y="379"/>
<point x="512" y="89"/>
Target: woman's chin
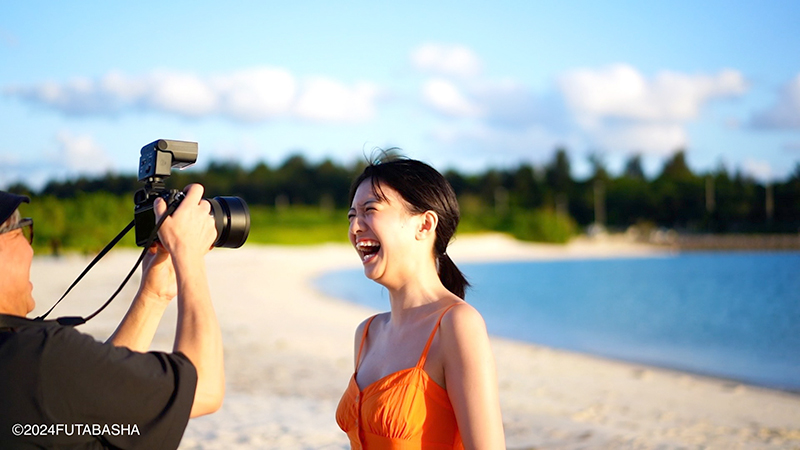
<point x="373" y="272"/>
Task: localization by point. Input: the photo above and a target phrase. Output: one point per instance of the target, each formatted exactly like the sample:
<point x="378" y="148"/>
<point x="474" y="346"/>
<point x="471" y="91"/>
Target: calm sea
<point x="731" y="315"/>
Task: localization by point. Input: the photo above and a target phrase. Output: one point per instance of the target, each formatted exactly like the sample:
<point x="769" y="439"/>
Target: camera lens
<point x="232" y="219"/>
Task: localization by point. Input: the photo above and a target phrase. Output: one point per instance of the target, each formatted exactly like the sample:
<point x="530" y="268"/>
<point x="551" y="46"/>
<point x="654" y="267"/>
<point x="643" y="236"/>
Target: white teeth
<point x="368" y="249"/>
<point x="367" y="244"/>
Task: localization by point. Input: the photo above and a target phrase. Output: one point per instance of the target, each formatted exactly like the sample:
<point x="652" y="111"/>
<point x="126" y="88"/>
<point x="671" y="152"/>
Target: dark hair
<point x="424" y="189"/>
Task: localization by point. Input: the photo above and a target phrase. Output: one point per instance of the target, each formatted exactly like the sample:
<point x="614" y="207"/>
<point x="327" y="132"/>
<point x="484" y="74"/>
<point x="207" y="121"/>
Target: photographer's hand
<point x="157" y="288"/>
<point x="189" y="234"/>
<point x="190" y="229"/>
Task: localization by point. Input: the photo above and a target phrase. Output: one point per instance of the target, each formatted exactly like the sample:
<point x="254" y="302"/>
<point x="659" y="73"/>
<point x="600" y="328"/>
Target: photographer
<point x="61" y="388"/>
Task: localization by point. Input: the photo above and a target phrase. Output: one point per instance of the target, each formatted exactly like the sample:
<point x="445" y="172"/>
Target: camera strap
<point x="76" y="320"/>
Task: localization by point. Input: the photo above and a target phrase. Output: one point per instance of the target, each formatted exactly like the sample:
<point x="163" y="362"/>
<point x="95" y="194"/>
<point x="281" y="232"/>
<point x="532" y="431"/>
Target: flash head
<point x="159" y="157"/>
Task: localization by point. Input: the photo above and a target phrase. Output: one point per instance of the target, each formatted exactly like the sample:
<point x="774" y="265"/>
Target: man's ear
<point x="427" y="225"/>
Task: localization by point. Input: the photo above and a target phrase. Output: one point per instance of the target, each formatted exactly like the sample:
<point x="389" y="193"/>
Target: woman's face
<point x="382" y="232"/>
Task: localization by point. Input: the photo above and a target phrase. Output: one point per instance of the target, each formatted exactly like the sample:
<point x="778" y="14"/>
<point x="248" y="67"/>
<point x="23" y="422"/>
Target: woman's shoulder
<point x="462" y="320"/>
<point x="363" y="325"/>
<point x="463" y="338"/>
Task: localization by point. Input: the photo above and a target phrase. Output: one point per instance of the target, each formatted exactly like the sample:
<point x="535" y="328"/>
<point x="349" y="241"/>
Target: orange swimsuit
<point x="403" y="410"/>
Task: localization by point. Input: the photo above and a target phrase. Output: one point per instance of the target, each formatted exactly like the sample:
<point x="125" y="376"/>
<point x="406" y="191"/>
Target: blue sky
<point x="466" y="85"/>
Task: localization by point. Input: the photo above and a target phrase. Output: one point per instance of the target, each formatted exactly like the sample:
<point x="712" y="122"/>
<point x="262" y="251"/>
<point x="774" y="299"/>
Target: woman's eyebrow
<point x="367" y="202"/>
<point x="353" y="208"/>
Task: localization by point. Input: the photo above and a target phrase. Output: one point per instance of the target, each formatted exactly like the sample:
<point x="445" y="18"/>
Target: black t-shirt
<point x="62" y="389"/>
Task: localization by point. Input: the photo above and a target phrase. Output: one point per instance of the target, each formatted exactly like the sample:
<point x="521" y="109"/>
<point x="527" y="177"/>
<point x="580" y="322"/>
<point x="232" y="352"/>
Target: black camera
<point x="157" y="159"/>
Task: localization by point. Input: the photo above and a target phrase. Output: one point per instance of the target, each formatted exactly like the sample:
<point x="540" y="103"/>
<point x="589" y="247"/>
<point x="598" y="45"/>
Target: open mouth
<point x="367" y="249"/>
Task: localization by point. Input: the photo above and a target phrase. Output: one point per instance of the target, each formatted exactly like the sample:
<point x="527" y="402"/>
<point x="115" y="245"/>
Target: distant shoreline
<point x="738" y="242"/>
<point x="624" y="245"/>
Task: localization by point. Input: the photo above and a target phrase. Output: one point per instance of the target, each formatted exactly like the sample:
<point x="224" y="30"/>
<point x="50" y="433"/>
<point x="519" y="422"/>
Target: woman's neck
<point x="415" y="295"/>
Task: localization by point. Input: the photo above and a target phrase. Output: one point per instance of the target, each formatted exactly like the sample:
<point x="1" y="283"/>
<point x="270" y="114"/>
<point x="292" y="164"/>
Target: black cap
<point x="9" y="203"/>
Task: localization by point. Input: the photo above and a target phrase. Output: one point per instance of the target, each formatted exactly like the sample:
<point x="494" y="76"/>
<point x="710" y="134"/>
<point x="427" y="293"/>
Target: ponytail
<point x="451" y="276"/>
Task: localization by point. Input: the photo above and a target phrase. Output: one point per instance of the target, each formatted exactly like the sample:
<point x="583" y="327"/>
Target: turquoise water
<point x="731" y="315"/>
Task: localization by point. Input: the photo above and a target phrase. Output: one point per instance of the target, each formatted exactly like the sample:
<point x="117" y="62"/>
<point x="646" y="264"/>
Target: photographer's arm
<point x="188" y="235"/>
<point x="157" y="289"/>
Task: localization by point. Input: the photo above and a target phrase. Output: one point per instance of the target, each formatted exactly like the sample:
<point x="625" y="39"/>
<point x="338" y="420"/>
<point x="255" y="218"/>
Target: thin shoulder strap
<point x="363" y="339"/>
<point x="424" y="355"/>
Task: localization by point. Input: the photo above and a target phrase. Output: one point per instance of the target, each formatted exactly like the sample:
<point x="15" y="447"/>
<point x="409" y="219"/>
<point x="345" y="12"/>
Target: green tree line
<point x="298" y="201"/>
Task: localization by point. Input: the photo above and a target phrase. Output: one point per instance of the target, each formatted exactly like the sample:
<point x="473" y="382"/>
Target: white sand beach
<point x="288" y="356"/>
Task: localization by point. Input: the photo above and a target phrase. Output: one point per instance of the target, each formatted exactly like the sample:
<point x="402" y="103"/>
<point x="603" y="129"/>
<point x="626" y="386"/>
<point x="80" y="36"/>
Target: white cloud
<point x="613" y="109"/>
<point x="456" y="90"/>
<point x="183" y="94"/>
<point x="441" y="59"/>
<point x="252" y="95"/>
<point x="620" y="91"/>
<point x="650" y="138"/>
<point x="503" y="103"/>
<point x="785" y="114"/>
<point x="256" y="94"/>
<point x="510" y="103"/>
<point x="65" y="155"/>
<point x="446" y="98"/>
<point x="77" y="96"/>
<point x="620" y="109"/>
<point x="327" y="100"/>
<point x="81" y="154"/>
